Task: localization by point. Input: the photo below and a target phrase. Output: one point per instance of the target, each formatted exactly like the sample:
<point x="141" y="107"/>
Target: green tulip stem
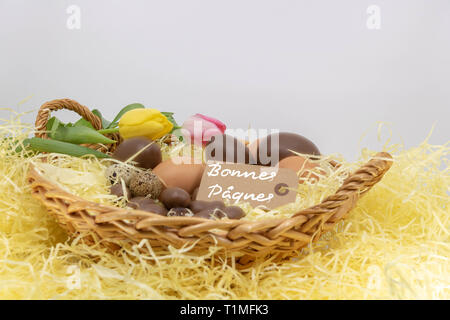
<point x="106" y="131"/>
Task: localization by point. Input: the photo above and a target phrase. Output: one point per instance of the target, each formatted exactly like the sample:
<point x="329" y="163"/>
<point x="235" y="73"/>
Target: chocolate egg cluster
<point x="167" y="188"/>
<point x="268" y="151"/>
<point x="170" y="187"/>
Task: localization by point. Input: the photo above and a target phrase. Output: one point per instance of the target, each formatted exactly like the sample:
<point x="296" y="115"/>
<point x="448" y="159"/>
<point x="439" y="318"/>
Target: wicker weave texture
<point x="253" y="238"/>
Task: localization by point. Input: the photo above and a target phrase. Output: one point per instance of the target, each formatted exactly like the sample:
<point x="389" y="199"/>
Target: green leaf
<point x="169" y="116"/>
<point x="47" y="145"/>
<point x="52" y="125"/>
<point x="129" y="107"/>
<point x="107" y="131"/>
<point x="83" y="122"/>
<point x="79" y="135"/>
<point x="105" y="123"/>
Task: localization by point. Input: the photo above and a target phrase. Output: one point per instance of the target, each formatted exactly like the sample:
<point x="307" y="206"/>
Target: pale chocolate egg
<point x="180" y="172"/>
<point x="301" y="165"/>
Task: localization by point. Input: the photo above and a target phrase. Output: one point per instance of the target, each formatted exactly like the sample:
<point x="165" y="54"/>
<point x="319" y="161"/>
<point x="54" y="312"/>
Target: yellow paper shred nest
<point x="394" y="244"/>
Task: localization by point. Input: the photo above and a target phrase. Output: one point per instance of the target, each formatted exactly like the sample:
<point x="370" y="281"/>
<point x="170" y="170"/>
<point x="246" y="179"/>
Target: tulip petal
<point x="222" y="127"/>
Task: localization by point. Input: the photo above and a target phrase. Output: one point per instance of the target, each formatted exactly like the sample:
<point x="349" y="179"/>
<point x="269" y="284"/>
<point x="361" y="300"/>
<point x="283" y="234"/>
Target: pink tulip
<point x="199" y="128"/>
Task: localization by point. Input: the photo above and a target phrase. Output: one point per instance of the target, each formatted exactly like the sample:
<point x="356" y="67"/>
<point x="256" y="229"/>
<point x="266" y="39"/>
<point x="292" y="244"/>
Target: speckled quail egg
<point x="117" y="171"/>
<point x="146" y="184"/>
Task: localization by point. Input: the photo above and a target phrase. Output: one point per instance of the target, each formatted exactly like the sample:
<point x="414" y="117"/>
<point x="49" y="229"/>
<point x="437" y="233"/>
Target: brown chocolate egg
<point x="147" y="204"/>
<point x="181" y="172"/>
<point x="210" y="213"/>
<point x="287" y="142"/>
<point x="149" y="152"/>
<point x="180" y="212"/>
<point x="175" y="197"/>
<point x="138" y="202"/>
<point x="301" y="165"/>
<point x="226" y="148"/>
<point x="234" y="212"/>
<point x="154" y="208"/>
<point x="199" y="205"/>
<point x="118" y="190"/>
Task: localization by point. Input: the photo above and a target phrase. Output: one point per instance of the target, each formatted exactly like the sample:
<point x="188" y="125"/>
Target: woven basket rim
<point x="258" y="237"/>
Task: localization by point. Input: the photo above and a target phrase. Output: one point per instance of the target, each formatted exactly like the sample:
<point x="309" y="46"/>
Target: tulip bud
<point x="150" y="123"/>
<point x="200" y="128"/>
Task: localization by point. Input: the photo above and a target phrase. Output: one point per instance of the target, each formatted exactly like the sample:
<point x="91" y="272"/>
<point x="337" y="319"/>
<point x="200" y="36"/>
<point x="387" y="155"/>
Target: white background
<point x="311" y="67"/>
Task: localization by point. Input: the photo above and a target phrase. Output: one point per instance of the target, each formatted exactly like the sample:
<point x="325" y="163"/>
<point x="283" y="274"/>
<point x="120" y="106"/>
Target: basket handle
<point x="58" y="104"/>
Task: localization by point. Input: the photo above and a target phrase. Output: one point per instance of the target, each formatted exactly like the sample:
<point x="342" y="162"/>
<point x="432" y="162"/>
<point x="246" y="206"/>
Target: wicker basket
<point x="279" y="237"/>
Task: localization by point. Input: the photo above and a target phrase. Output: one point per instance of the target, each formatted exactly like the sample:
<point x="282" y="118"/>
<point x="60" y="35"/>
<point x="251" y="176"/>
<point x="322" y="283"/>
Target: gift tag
<point x="238" y="183"/>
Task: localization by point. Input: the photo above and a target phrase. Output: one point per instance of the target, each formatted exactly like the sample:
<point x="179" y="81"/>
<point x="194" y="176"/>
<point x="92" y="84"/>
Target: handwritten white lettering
<point x="216" y="170"/>
<point x="213" y="191"/>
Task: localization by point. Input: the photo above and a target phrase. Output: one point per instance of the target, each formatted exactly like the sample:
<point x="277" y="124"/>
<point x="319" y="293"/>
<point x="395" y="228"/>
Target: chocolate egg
<point x="118" y="190"/>
<point x="146" y="204"/>
<point x="181" y="172"/>
<point x="154" y="208"/>
<point x="149" y="152"/>
<point x="137" y="202"/>
<point x="199" y="205"/>
<point x="211" y="213"/>
<point x="146" y="184"/>
<point x="180" y="212"/>
<point x="226" y="148"/>
<point x="287" y="142"/>
<point x="175" y="197"/>
<point x="234" y="212"/>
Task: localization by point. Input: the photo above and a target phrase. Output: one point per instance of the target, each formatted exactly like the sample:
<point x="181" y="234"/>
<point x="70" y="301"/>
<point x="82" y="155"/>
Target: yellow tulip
<point x="150" y="123"/>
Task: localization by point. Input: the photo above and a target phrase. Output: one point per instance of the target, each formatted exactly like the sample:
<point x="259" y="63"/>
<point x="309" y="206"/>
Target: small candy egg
<point x="234" y="212"/>
<point x="137" y="202"/>
<point x="175" y="197"/>
<point x="199" y="205"/>
<point x="146" y="184"/>
<point x="118" y="190"/>
<point x="181" y="172"/>
<point x="144" y="151"/>
<point x="179" y="212"/>
<point x="154" y="208"/>
<point x="211" y="213"/>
